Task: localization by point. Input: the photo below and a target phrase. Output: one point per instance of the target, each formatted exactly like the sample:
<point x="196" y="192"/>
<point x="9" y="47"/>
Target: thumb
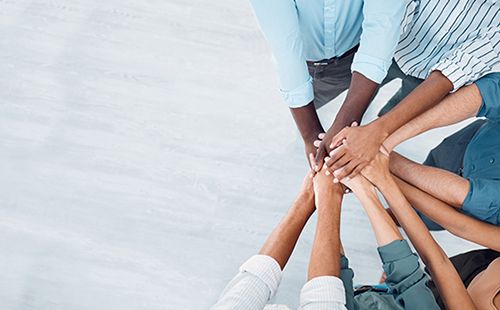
<point x="337" y="140"/>
<point x="320" y="155"/>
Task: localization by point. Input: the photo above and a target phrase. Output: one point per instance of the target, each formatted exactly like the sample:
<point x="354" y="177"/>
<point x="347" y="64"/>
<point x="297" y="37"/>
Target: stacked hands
<point x="346" y="160"/>
<point x="374" y="175"/>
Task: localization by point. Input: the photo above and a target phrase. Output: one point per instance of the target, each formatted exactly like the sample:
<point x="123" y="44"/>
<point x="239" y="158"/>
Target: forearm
<point x="383" y="226"/>
<point x="280" y="244"/>
<point x="307" y="122"/>
<point x="424" y="97"/>
<point x="443" y="273"/>
<point x="325" y="257"/>
<point x="454" y="108"/>
<point x="359" y="96"/>
<point x="439" y="183"/>
<point x="455" y="222"/>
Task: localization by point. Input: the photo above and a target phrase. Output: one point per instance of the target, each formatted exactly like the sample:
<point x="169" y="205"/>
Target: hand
<point x="378" y="171"/>
<point x="325" y="189"/>
<point x="359" y="184"/>
<point x="355" y="147"/>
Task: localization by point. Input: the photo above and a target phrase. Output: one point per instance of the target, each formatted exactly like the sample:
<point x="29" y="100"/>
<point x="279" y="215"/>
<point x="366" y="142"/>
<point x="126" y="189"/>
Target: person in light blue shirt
<point x="322" y="40"/>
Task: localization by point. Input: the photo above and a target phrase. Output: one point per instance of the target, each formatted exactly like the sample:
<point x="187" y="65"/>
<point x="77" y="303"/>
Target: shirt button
<point x="492" y="160"/>
<point x="473" y="167"/>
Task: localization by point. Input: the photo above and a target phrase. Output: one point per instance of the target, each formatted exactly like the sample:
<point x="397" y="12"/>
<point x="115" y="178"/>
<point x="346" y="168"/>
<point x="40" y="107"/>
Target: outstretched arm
<point x="259" y="277"/>
<point x="443" y="273"/>
<point x="457" y="223"/>
<point x="325" y="289"/>
<point x="280" y="244"/>
<point x="325" y="257"/>
<point x="383" y="226"/>
<point x="442" y="184"/>
<point x="454" y="108"/>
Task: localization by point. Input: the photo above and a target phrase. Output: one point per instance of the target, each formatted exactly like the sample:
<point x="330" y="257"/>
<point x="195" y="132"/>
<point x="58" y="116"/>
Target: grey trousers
<point x="333" y="77"/>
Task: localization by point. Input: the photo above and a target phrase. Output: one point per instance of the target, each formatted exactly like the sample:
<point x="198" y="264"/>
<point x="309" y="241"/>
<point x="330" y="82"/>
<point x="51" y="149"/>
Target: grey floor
<point x="145" y="153"/>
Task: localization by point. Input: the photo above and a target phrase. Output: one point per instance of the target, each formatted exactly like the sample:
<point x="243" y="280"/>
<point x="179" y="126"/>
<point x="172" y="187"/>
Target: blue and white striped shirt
<point x="457" y="37"/>
<point x="460" y="38"/>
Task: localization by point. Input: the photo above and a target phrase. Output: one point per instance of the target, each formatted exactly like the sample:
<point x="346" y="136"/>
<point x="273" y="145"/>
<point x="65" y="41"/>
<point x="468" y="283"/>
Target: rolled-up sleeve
<point x="405" y="278"/>
<point x="472" y="59"/>
<point x="278" y="20"/>
<point x="489" y="87"/>
<point x="323" y="293"/>
<point x="483" y="200"/>
<point x="380" y="36"/>
<point x="256" y="283"/>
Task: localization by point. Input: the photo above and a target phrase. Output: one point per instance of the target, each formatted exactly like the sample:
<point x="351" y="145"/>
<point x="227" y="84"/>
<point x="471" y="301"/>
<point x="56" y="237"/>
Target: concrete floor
<point x="145" y="153"/>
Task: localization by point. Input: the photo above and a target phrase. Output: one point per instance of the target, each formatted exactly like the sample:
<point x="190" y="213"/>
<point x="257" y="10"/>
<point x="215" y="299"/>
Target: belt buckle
<point x="321" y="63"/>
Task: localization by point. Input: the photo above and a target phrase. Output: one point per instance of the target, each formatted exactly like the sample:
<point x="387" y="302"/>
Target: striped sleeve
<point x="472" y="59"/>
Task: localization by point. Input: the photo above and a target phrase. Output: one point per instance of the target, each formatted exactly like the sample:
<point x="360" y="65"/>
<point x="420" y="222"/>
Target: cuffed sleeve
<point x="254" y="285"/>
<point x="324" y="292"/>
<point x="489" y="87"/>
<point x="405" y="279"/>
<point x="483" y="200"/>
<point x="381" y="32"/>
<point x="279" y="22"/>
<point x="472" y="59"/>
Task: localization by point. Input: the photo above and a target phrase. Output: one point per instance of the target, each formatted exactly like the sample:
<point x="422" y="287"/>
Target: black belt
<point x="326" y="62"/>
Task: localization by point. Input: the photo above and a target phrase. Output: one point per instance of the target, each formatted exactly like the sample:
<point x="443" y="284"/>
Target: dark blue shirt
<point x="481" y="164"/>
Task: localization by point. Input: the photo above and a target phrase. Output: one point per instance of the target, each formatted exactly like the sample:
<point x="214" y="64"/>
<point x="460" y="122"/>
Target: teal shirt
<point x="481" y="165"/>
<point x="406" y="282"/>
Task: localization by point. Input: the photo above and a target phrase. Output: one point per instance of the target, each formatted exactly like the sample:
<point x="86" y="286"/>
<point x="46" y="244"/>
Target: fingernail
<point x="347" y="178"/>
<point x="327" y="159"/>
<point x="327" y="172"/>
<point x="335" y="180"/>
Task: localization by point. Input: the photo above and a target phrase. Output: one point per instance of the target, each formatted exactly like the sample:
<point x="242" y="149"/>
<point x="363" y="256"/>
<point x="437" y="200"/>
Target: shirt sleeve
<point x="323" y="293"/>
<point x="489" y="87"/>
<point x="406" y="280"/>
<point x="279" y="22"/>
<point x="483" y="200"/>
<point x="472" y="59"/>
<point x="380" y="36"/>
<point x="251" y="289"/>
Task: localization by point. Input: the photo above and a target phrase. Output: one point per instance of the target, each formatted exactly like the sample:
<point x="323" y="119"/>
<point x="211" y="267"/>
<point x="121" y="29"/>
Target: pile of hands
<point x="357" y="164"/>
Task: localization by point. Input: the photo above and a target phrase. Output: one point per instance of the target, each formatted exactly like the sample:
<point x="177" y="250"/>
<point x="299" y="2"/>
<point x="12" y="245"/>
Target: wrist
<point x="378" y="127"/>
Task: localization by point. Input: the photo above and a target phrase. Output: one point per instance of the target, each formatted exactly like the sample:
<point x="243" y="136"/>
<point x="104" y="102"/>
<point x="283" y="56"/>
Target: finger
<point x="338" y="138"/>
<point x="356" y="171"/>
<point x="317" y="143"/>
<point x="311" y="160"/>
<point x="321" y="136"/>
<point x="341" y="162"/>
<point x="336" y="154"/>
<point x="325" y="166"/>
<point x="320" y="155"/>
<point x="346" y="170"/>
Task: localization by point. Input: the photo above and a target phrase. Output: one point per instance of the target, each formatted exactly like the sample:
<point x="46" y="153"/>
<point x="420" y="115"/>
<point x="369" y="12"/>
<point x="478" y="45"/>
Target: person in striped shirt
<point x="444" y="46"/>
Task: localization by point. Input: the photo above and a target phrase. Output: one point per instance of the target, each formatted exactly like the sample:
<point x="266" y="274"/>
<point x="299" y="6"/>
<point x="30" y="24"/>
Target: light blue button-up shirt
<point x="312" y="30"/>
